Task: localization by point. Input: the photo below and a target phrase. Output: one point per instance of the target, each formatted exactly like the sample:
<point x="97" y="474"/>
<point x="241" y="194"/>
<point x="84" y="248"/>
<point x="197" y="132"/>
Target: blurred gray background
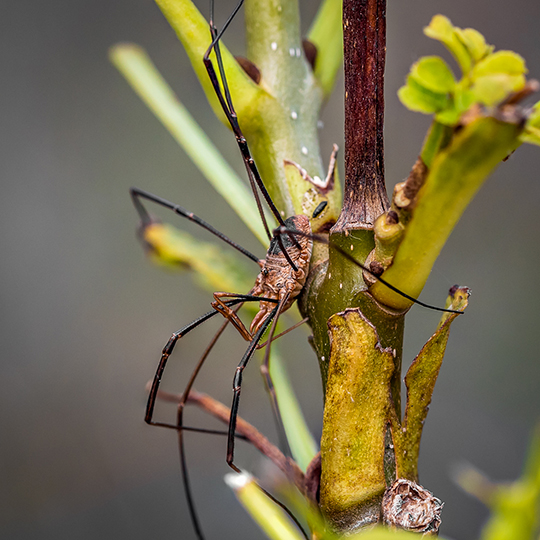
<point x="85" y="314"/>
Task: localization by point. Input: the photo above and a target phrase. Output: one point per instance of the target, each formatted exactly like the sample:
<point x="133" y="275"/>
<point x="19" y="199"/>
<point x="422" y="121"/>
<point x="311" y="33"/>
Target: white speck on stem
<point x="273" y="46"/>
<point x="323" y="358"/>
<point x="352" y="247"/>
<point x="294" y="115"/>
<point x="298" y="52"/>
<point x="341" y="285"/>
<point x="317" y="180"/>
<point x="292" y="52"/>
<point x="305" y="151"/>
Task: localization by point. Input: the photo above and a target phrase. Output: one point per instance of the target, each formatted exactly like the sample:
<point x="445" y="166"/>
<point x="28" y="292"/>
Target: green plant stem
<point x="455" y="177"/>
<point x="437" y="139"/>
<point x="355" y="421"/>
<point x="288" y="130"/>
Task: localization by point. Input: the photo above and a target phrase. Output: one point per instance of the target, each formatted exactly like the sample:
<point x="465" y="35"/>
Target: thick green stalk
<point x="288" y="130"/>
<point x="355" y="422"/>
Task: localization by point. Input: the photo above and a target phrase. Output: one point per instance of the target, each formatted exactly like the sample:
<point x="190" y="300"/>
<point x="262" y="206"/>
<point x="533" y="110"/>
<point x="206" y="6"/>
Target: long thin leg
<point x="324" y="240"/>
<point x="254" y="177"/>
<point x="180" y="418"/>
<point x="251" y="435"/>
<point x="237" y="386"/>
<point x="168" y="349"/>
<point x="265" y="371"/>
<point x="180" y="421"/>
<point x="281" y="334"/>
<point x="230" y="113"/>
<point x="219" y="305"/>
<point x="137" y="194"/>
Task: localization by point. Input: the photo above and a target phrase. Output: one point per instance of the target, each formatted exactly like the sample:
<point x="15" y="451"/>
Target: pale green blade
<point x="133" y="62"/>
<point x="272" y="519"/>
<point x="301" y="442"/>
<point x="327" y="35"/>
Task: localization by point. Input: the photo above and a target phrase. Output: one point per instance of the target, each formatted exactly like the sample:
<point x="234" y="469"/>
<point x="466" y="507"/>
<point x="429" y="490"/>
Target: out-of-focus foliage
<point x="214" y="268"/>
<point x="515" y="507"/>
<point x="531" y="133"/>
<point x="487" y="77"/>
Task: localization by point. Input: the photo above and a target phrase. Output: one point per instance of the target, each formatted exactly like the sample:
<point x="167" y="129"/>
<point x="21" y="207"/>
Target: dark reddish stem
<point x="364" y="38"/>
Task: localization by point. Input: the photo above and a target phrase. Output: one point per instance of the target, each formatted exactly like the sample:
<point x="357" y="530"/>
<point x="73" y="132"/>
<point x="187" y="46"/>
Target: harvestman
<point x="279" y="282"/>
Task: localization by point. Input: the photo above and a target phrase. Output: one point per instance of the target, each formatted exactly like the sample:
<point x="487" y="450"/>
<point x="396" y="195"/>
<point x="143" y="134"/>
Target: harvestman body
<point x="282" y="276"/>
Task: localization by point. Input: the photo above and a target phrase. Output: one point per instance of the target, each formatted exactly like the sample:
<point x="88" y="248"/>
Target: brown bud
<point x="313" y="478"/>
<point x="250" y="68"/>
<point x="392" y="218"/>
<point x="310" y="50"/>
<point x="407" y="505"/>
<point x="376" y="268"/>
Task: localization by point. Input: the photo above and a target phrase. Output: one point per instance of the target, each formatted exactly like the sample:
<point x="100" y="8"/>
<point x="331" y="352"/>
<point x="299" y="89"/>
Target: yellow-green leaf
<point x="433" y="73"/>
<point x="475" y="43"/>
<point x="441" y="29"/>
<point x="492" y="89"/>
<point x="500" y="62"/>
<point x="418" y="98"/>
<point x="449" y="116"/>
<point x="420" y="382"/>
